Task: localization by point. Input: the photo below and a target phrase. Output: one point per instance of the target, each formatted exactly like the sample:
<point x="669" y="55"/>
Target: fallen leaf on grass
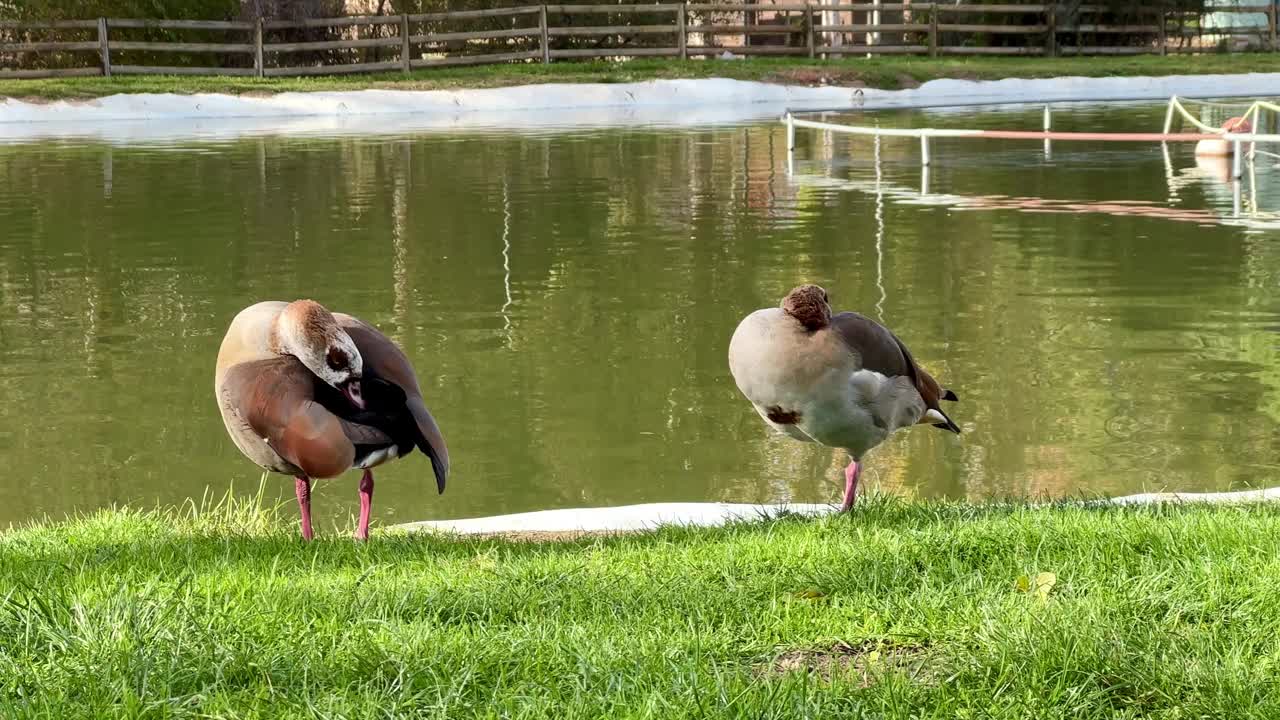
<point x="1040" y="586"/>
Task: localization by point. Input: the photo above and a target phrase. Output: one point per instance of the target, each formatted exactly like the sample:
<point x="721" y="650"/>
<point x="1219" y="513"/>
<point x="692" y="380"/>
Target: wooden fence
<point x="543" y="33"/>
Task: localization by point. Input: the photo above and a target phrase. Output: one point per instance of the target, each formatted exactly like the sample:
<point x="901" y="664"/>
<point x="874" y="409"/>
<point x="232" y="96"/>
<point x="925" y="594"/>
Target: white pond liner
<point x="639" y="518"/>
<point x="625" y="518"/>
<point x="141" y="117"/>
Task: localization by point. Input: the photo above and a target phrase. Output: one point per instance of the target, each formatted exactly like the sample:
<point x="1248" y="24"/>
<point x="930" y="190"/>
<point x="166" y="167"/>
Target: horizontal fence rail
<point x="543" y="33"/>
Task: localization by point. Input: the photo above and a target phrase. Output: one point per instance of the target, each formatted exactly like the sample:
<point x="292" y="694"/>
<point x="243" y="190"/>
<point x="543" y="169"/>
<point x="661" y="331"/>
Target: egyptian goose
<point x="840" y="380"/>
<point x="312" y="394"/>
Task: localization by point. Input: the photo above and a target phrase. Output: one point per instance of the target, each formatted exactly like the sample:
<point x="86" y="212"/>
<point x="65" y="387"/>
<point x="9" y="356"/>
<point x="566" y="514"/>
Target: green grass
<point x="888" y="73"/>
<point x="903" y="609"/>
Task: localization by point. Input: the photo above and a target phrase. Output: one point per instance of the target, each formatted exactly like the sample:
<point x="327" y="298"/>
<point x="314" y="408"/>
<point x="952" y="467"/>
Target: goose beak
<point x="351" y="389"/>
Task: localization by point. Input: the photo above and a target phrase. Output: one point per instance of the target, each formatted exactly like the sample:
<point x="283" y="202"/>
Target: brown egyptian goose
<point x="313" y="394"/>
<point x="839" y="380"/>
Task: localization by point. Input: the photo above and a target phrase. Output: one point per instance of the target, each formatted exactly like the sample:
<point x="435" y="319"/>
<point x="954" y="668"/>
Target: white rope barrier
<point x="1254" y="111"/>
<point x="794" y="122"/>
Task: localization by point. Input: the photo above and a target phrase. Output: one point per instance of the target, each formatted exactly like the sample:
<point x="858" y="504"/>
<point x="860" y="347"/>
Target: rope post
<point x="104" y="47"/>
<point x="1048" y="125"/>
<point x="682" y="25"/>
<point x="405" y="63"/>
<point x="1236" y="161"/>
<point x="1168" y="115"/>
<point x="546" y="43"/>
<point x="808" y="21"/>
<point x="924" y="150"/>
<point x="258" y="66"/>
<point x="791" y="144"/>
<point x="933" y="29"/>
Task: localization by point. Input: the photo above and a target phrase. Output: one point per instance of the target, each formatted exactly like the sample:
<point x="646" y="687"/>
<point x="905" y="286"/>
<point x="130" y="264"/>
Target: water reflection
<point x="568" y="300"/>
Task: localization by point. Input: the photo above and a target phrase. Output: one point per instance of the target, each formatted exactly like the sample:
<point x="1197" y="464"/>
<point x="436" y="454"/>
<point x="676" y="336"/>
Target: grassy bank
<point x="902" y="610"/>
<point x="885" y="73"/>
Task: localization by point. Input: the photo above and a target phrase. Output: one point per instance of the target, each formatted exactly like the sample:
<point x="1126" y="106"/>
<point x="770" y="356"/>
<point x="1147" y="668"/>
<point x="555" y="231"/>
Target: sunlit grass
<point x="885" y="72"/>
<point x="902" y="609"/>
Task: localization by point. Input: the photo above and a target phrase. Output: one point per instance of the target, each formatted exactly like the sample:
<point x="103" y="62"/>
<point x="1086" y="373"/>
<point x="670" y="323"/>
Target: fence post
<point x="258" y="65"/>
<point x="682" y="25"/>
<point x="1051" y="29"/>
<point x="1164" y="38"/>
<point x="1271" y="26"/>
<point x="104" y="48"/>
<point x="933" y="29"/>
<point x="546" y="44"/>
<point x="808" y="21"/>
<point x="873" y="37"/>
<point x="404" y="42"/>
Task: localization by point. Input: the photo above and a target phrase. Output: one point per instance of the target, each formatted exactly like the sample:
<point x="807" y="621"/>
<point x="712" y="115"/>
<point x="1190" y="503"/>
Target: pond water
<point x="1107" y="319"/>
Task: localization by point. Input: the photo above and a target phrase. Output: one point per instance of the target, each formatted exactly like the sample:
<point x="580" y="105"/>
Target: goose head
<point x="310" y="333"/>
<point x="809" y="305"/>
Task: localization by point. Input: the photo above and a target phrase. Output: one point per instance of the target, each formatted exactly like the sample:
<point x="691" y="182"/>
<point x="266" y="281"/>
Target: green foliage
<point x="82" y="9"/>
<point x="44" y="10"/>
<point x="1073" y="14"/>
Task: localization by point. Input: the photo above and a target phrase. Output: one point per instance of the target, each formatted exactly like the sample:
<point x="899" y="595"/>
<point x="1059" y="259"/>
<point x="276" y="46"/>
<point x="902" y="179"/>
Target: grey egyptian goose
<point x="313" y="394"/>
<point x="839" y="380"/>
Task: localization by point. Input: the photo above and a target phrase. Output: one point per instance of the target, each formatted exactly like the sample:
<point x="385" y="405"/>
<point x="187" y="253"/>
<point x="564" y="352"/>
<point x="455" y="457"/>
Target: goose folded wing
<point x="384" y="359"/>
<point x="881" y="351"/>
<point x="276" y="399"/>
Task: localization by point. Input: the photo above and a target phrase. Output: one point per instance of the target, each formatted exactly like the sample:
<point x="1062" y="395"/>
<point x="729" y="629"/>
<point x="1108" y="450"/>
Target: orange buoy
<point x="1222" y="148"/>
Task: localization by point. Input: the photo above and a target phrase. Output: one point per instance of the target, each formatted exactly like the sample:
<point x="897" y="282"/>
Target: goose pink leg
<point x="851" y="474"/>
<point x="366" y="503"/>
<point x="302" y="488"/>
